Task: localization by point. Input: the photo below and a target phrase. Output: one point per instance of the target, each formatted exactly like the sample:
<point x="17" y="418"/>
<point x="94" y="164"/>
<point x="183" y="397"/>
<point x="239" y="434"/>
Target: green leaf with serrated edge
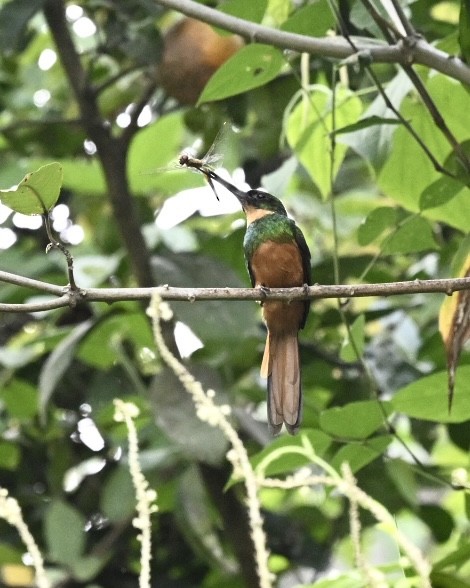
<point x="286" y="454"/>
<point x="413" y="236"/>
<point x="375" y="224"/>
<point x="439" y="192"/>
<point x="37" y="192"/>
<point x="250" y="67"/>
<point x="354" y="343"/>
<point x="358" y="455"/>
<point x="356" y="420"/>
<point x="426" y="398"/>
<point x="308" y="128"/>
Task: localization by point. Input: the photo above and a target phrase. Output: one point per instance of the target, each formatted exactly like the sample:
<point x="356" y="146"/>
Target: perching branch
<point x="69" y="297"/>
<point x="419" y="51"/>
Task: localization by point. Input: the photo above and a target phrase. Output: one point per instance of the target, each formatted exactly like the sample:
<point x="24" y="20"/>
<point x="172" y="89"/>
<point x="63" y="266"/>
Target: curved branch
<point x="418" y="51"/>
<point x="53" y="304"/>
<point x="70" y="297"/>
<point x="9" y="278"/>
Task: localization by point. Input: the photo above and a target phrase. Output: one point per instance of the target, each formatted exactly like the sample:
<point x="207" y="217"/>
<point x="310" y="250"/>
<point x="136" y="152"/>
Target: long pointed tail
<point x="281" y="366"/>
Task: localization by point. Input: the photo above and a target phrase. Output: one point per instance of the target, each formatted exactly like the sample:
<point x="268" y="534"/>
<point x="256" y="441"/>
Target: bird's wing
<point x="305" y="252"/>
<point x="250" y="271"/>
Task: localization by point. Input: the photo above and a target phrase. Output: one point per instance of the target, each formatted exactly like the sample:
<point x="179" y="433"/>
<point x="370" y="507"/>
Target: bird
<point x="276" y="256"/>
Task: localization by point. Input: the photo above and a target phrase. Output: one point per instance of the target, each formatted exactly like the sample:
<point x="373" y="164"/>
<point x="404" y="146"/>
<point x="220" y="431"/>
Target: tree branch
<point x="336" y="47"/>
<point x="68" y="297"/>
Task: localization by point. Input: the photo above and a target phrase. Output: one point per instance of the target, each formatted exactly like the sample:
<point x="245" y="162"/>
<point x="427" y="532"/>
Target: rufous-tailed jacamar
<point x="276" y="256"/>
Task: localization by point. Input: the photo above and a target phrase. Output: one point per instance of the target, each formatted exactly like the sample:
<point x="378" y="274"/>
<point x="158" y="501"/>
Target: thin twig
<point x="54" y="244"/>
<point x="406" y="24"/>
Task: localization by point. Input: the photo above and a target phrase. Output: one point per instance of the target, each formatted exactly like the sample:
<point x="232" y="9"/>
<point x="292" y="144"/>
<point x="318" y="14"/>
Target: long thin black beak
<point x="240" y="194"/>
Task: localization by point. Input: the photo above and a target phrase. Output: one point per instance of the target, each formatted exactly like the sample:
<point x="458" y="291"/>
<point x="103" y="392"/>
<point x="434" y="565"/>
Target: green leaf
<point x="439" y="192"/>
<point x="351" y="579"/>
<point x="404" y="479"/>
<point x="313" y="20"/>
<point x="250" y="67"/>
<point x="20" y="398"/>
<point x="65" y="532"/>
<point x="374" y="142"/>
<point x="98" y="347"/>
<point x="9" y="456"/>
<point x="308" y="128"/>
<point x="464" y="30"/>
<point x="245" y="9"/>
<point x="444" y="580"/>
<point x="118" y="496"/>
<point x="356" y="420"/>
<point x="359" y="455"/>
<point x="457" y="558"/>
<point x="456" y="166"/>
<point x="282" y="455"/>
<point x="9" y="555"/>
<point x="414" y="235"/>
<point x="37" y="192"/>
<point x="57" y="363"/>
<point x="14" y="18"/>
<point x="86" y="568"/>
<point x="408" y="171"/>
<point x="375" y="224"/>
<point x="427" y="398"/>
<point x="152" y="148"/>
<point x="353" y="346"/>
<point x="196" y="518"/>
<point x="175" y="415"/>
<point x="365" y="123"/>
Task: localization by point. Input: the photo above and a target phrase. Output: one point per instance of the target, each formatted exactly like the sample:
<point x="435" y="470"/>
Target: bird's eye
<point x="260" y="195"/>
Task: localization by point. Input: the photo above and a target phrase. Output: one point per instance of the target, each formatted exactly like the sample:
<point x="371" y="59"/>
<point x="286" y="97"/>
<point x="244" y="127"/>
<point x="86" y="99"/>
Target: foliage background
<point x="376" y="215"/>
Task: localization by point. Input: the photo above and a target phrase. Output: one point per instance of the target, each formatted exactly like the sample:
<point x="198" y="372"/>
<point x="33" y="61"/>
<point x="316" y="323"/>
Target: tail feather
<point x="282" y="367"/>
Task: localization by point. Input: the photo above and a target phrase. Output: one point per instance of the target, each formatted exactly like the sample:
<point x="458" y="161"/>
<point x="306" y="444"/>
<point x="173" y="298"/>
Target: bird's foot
<point x="264" y="290"/>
